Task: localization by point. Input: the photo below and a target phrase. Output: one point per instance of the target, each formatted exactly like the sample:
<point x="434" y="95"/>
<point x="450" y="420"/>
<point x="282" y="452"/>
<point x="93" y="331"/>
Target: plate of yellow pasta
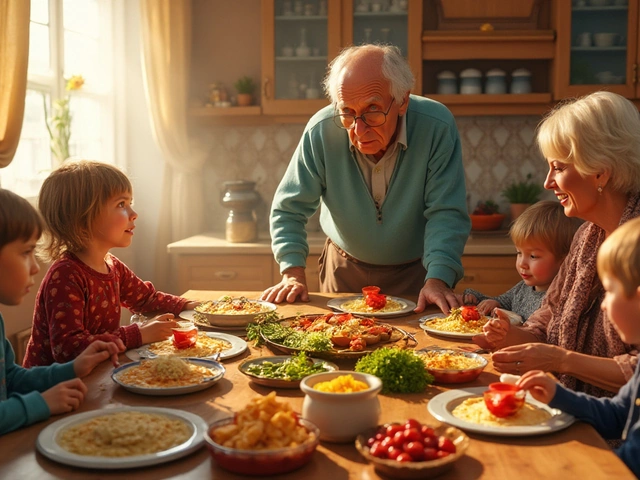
<point x="208" y="344"/>
<point x="122" y="437"/>
<point x="168" y="375"/>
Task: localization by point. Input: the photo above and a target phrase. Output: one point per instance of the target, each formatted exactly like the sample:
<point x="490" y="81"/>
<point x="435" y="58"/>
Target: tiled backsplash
<point x="496" y="152"/>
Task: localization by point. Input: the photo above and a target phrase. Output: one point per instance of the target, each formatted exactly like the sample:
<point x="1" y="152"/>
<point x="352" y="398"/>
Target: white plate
<point x="443" y="404"/>
<point x="238" y="346"/>
<point x="162" y="391"/>
<point x="48" y="446"/>
<point x="424" y="324"/>
<point x="407" y="307"/>
<point x="189" y="315"/>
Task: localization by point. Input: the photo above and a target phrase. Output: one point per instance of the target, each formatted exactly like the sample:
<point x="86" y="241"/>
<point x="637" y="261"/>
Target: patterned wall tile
<point x="496" y="151"/>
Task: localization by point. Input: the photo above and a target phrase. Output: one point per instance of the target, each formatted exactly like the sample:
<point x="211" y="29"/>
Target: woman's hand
<point x="494" y="332"/>
<point x="519" y="359"/>
<point x="542" y="386"/>
<point x="159" y="328"/>
<point x="65" y="396"/>
<point x="292" y="286"/>
<point x="96" y="353"/>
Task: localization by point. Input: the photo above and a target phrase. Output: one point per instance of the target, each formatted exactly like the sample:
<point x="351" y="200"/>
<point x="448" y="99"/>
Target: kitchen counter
<point x="490" y="243"/>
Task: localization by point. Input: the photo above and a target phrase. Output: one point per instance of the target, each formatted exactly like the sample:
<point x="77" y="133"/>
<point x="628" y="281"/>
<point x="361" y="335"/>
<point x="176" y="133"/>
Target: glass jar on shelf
<point x="240" y="198"/>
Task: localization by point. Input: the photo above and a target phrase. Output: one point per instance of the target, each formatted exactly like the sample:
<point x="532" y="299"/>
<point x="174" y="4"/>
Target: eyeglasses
<point x="371" y="119"/>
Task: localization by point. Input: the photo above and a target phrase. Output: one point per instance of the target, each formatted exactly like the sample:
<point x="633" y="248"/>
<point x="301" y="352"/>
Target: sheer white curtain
<point x="166" y="50"/>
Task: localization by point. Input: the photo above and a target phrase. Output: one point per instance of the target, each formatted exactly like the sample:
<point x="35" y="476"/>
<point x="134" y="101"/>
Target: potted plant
<point x="521" y="195"/>
<point x="245" y="87"/>
<point x="486" y="216"/>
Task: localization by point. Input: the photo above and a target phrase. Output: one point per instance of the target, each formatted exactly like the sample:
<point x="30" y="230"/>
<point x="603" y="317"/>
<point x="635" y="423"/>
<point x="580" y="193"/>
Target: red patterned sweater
<point x="77" y="305"/>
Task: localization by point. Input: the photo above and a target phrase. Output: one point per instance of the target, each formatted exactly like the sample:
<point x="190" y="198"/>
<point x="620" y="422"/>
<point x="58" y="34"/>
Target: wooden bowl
<point x="487" y="222"/>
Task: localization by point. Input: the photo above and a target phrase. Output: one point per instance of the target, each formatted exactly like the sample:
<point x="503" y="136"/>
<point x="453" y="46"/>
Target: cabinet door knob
<point x="225" y="275"/>
<point x="265" y="89"/>
<point x="468" y="278"/>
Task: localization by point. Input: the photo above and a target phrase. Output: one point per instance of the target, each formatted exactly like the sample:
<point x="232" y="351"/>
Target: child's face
<point x="622" y="311"/>
<point x="18" y="265"/>
<point x="114" y="227"/>
<point x="536" y="264"/>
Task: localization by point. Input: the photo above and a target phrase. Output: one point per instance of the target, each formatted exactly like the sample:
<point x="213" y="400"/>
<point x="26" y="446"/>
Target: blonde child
<point x="30" y="396"/>
<point x="542" y="235"/>
<point x="87" y="208"/>
<point x="617" y="417"/>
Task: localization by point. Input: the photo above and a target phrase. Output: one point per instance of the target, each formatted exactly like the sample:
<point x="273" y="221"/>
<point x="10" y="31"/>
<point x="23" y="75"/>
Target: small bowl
<point x="456" y="376"/>
<point x="487" y="222"/>
<point x="341" y="416"/>
<point x="427" y="469"/>
<point x="262" y="462"/>
<point x="233" y="320"/>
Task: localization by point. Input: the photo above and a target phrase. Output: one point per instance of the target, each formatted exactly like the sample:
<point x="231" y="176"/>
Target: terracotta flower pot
<point x="244" y="99"/>
<point x="517" y="209"/>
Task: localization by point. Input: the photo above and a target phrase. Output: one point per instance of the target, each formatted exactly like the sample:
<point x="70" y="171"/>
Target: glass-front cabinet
<point x="597" y="47"/>
<point x="301" y="37"/>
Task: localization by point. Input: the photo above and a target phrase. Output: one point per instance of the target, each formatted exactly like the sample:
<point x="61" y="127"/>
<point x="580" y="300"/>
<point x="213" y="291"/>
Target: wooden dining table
<point x="575" y="452"/>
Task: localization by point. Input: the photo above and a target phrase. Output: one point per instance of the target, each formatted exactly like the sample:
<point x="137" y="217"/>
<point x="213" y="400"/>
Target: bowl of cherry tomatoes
<point x="412" y="449"/>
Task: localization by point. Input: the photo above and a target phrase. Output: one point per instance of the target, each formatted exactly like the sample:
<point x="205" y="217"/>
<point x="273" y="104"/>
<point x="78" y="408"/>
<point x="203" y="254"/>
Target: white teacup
<point x="605" y="39"/>
<point x="584" y="39"/>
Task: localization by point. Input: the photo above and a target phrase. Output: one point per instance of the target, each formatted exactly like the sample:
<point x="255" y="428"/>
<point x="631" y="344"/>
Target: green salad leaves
<point x="401" y="371"/>
<point x="294" y="368"/>
<point x="270" y="328"/>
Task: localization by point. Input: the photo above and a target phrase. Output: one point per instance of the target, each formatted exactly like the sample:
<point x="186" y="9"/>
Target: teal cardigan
<point x="21" y="403"/>
<point x="424" y="212"/>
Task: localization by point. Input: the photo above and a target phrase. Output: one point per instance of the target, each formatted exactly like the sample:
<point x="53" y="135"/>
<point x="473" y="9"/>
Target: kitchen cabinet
<point x="597" y="47"/>
<point x="299" y="39"/>
<point x="490" y="274"/>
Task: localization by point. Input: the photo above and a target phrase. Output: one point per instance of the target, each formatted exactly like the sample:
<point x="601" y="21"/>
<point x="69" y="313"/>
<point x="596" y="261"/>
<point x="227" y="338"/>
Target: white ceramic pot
<point x="341" y="416"/>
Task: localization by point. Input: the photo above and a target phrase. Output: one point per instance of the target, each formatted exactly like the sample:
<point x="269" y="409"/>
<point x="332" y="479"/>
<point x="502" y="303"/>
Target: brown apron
<point x="340" y="272"/>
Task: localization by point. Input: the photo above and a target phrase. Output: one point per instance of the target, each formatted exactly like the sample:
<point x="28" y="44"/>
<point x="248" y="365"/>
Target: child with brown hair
<point x="30" y="396"/>
<point x="617" y="417"/>
<point x="87" y="208"/>
<point x="542" y="235"/>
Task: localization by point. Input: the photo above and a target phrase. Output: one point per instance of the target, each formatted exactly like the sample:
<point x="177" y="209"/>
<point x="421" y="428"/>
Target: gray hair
<point x="395" y="69"/>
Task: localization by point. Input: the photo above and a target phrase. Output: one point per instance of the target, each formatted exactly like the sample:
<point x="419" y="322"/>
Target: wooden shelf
<point x="500" y="44"/>
<point x="225" y="111"/>
<point x="507" y="104"/>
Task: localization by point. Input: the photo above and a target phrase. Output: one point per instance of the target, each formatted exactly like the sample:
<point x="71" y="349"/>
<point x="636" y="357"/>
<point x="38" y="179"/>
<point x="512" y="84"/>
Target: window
<point x="67" y="37"/>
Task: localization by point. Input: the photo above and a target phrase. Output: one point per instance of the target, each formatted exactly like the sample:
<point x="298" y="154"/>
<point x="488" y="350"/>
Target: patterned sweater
<point x="77" y="305"/>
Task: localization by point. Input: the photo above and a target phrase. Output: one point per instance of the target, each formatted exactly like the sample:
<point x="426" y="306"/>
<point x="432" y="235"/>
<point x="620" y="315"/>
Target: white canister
<point x="447" y="83"/>
<point x="471" y="81"/>
<point x="496" y="82"/>
<point x="521" y="81"/>
<point x="341" y="416"/>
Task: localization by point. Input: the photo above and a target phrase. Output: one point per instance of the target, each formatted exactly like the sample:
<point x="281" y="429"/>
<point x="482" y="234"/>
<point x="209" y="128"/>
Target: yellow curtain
<point x="14" y="59"/>
<point x="166" y="50"/>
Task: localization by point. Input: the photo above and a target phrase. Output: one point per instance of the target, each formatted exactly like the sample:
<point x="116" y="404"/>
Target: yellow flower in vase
<point x="59" y="123"/>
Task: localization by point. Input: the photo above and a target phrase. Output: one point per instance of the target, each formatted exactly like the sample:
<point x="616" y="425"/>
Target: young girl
<point x="542" y="235"/>
<point x="21" y="402"/>
<point x="87" y="208"/>
<point x="617" y="417"/>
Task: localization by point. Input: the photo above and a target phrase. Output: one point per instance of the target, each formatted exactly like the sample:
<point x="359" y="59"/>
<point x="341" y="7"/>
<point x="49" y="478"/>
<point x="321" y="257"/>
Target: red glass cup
<point x="185" y="335"/>
<point x="503" y="399"/>
<point x="370" y="290"/>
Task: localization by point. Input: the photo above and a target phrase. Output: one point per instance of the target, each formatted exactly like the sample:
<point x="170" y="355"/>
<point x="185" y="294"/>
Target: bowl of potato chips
<point x="241" y="445"/>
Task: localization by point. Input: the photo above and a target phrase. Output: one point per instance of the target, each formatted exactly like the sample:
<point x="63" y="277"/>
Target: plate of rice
<point x="452" y="325"/>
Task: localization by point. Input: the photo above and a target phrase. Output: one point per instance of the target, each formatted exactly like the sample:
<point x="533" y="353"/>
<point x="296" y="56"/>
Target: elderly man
<point x="387" y="168"/>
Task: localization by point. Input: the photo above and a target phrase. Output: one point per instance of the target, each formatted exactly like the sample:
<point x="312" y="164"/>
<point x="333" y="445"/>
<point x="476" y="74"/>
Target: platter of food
<point x="168" y="375"/>
<point x="452" y="366"/>
<point x="283" y="371"/>
<point x="330" y="335"/>
<point x="208" y="344"/>
<point x="230" y="312"/>
<point x="373" y="303"/>
<point x="461" y="323"/>
<point x="200" y="320"/>
<point x="122" y="437"/>
<point x="465" y="409"/>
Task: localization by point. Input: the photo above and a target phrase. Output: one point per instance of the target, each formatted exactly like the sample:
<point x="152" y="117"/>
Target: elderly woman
<point x="592" y="146"/>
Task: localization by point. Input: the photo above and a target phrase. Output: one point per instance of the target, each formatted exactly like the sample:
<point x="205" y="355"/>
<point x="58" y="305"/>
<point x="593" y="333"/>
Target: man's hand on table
<point x="292" y="286"/>
<point x="435" y="291"/>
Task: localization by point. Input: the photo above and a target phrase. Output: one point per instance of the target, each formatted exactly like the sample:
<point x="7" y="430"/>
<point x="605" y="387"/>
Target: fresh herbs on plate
<point x="401" y="371"/>
<point x="292" y="369"/>
<point x="268" y="327"/>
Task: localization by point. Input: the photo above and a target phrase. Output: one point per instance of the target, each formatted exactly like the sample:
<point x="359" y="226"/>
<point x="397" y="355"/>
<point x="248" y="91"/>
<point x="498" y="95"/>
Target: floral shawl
<point x="570" y="314"/>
